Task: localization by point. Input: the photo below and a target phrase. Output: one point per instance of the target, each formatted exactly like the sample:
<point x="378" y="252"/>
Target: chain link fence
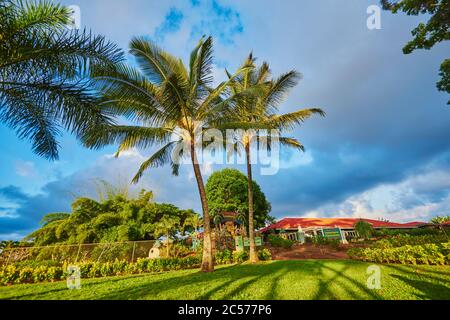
<point x="100" y="252"/>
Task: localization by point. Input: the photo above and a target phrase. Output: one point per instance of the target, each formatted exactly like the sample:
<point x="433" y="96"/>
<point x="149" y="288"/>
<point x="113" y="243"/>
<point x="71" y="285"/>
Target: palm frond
<point x="288" y="121"/>
<point x="291" y="142"/>
<point x="281" y="87"/>
<point x="159" y="158"/>
<point x="44" y="73"/>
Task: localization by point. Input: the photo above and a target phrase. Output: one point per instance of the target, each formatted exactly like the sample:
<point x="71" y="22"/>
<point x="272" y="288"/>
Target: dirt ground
<point x="309" y="251"/>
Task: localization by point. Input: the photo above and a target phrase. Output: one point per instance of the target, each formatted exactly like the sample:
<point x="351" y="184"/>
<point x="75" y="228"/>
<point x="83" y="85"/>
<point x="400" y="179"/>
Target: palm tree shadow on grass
<point x="429" y="290"/>
<point x="61" y="287"/>
<point x="427" y="283"/>
<point x="339" y="277"/>
<point x="141" y="291"/>
<point x="432" y="275"/>
<point x="224" y="277"/>
<point x="275" y="283"/>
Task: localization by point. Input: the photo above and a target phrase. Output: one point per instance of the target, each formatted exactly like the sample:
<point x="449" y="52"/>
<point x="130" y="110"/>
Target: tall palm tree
<point x="258" y="111"/>
<point x="171" y="105"/>
<point x="43" y="73"/>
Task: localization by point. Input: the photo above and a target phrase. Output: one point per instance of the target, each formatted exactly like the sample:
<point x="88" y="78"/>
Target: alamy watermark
<point x="73" y="277"/>
<point x="217" y="147"/>
<point x="75" y="17"/>
<point x="374" y="277"/>
<point x="374" y="19"/>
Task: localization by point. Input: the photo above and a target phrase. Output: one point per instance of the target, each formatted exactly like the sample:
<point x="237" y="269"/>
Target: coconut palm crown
<point x="259" y="111"/>
<point x="169" y="104"/>
<point x="44" y="85"/>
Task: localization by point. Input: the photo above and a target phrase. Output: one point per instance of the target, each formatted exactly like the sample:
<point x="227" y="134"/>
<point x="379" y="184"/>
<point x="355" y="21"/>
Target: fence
<point x="101" y="252"/>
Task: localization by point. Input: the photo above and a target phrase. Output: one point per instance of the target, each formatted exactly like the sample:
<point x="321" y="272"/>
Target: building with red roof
<point x="314" y="226"/>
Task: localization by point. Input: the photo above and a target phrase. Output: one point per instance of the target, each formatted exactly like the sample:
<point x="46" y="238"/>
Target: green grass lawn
<point x="307" y="279"/>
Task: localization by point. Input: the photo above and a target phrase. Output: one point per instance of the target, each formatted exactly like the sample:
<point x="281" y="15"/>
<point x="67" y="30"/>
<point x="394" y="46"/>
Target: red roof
<point x="447" y="223"/>
<point x="344" y="223"/>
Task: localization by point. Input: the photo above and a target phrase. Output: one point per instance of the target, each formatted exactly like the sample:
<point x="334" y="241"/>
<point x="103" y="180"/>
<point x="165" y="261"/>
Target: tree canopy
<point x="226" y="191"/>
<point x="44" y="80"/>
<point x="116" y="218"/>
<point x="364" y="229"/>
<point x="440" y="220"/>
<point x="426" y="35"/>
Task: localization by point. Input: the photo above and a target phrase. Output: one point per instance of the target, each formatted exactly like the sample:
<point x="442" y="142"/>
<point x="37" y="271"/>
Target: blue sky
<point x="382" y="151"/>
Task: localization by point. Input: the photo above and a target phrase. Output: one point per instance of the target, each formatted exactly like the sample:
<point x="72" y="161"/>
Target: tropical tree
<point x="170" y="104"/>
<point x="227" y="191"/>
<point x="440" y="220"/>
<point x="193" y="222"/>
<point x="426" y="35"/>
<point x="43" y="73"/>
<point x="165" y="227"/>
<point x="258" y="111"/>
<point x="364" y="229"/>
<point x="114" y="219"/>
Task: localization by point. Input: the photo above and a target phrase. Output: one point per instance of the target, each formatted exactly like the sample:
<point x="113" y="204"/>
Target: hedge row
<point x="227" y="257"/>
<point x="31" y="273"/>
<point x="403" y="240"/>
<point x="16" y="274"/>
<point x="428" y="254"/>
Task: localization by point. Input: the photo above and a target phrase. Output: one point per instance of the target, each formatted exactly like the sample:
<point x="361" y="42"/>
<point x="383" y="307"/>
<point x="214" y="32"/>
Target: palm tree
<point x="194" y="221"/>
<point x="258" y="111"/>
<point x="171" y="105"/>
<point x="165" y="226"/>
<point x="43" y="73"/>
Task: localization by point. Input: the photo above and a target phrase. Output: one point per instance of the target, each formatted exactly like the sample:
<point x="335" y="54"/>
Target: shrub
<point x="405" y="239"/>
<point x="433" y="254"/>
<point x="9" y="274"/>
<point x="13" y="275"/>
<point x="240" y="256"/>
<point x="276" y="241"/>
<point x="178" y="250"/>
<point x="410" y="232"/>
<point x="264" y="255"/>
<point x="224" y="257"/>
<point x="321" y="240"/>
<point x="25" y="275"/>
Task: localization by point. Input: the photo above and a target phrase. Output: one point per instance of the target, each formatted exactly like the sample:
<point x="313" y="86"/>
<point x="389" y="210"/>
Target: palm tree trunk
<point x="251" y="227"/>
<point x="207" y="259"/>
<point x="168" y="251"/>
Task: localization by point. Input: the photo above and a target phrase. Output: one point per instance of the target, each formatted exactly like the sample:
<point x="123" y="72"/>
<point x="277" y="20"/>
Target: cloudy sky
<point x="383" y="151"/>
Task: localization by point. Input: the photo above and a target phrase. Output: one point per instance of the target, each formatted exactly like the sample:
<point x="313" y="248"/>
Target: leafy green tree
<point x="110" y="220"/>
<point x="52" y="217"/>
<point x="440" y="220"/>
<point x="364" y="229"/>
<point x="426" y="35"/>
<point x="171" y="105"/>
<point x="258" y="111"/>
<point x="226" y="191"/>
<point x="44" y="85"/>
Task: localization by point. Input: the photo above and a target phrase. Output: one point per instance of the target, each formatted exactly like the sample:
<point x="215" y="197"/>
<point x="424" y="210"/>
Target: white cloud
<point x="25" y="168"/>
<point x="417" y="198"/>
<point x="296" y="159"/>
